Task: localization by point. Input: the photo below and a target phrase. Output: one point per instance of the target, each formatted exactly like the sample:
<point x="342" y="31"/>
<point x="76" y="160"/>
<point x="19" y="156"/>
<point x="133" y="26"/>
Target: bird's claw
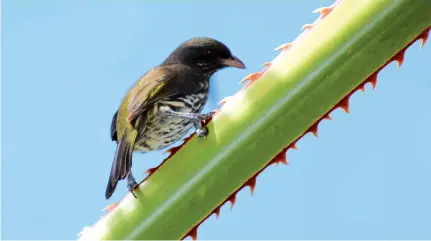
<point x="131" y="186"/>
<point x="202" y="132"/>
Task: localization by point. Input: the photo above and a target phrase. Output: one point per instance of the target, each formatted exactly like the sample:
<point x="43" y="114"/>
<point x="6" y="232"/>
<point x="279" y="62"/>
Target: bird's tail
<point x="121" y="165"/>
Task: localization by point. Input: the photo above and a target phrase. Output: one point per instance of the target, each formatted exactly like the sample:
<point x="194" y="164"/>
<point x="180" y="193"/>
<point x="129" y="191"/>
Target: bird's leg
<point x="196" y="118"/>
<point x="131" y="184"/>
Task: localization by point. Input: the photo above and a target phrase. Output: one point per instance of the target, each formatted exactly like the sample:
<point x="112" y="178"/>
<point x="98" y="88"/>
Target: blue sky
<point x="67" y="64"/>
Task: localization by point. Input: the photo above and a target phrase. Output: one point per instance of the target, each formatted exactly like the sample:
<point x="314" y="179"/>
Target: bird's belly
<point x="162" y="131"/>
<point x="160" y="135"/>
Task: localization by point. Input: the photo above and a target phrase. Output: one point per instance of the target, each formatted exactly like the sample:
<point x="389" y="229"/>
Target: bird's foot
<point x="202" y="132"/>
<point x="196" y="118"/>
<point x="131" y="184"/>
<point x="167" y="111"/>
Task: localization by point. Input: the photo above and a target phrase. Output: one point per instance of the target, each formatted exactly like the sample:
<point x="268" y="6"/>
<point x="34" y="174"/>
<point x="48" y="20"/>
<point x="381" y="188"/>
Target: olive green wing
<point x="155" y="85"/>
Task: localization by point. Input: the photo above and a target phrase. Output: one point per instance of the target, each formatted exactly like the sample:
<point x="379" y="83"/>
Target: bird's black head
<point x="207" y="54"/>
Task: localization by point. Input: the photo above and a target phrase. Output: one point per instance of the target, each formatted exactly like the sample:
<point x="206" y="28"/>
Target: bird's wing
<point x="114" y="127"/>
<point x="155" y="85"/>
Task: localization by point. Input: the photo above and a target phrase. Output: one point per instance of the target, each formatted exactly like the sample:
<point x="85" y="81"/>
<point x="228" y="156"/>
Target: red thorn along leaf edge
<point x="313" y="129"/>
<point x="111" y="207"/>
<point x="284" y="47"/>
<point x="217" y="212"/>
<point x="232" y="200"/>
<point x="327" y="117"/>
<point x="194" y="233"/>
<point x="252" y="184"/>
<point x="344" y="104"/>
<point x="293" y="146"/>
<point x="399" y="58"/>
<point x="307" y="26"/>
<point x="281" y="156"/>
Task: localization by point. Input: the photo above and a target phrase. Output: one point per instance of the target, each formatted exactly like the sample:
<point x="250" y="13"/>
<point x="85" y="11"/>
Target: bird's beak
<point x="234" y="62"/>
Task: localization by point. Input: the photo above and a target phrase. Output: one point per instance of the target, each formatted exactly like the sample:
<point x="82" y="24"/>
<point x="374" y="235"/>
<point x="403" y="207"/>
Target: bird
<point x="165" y="103"/>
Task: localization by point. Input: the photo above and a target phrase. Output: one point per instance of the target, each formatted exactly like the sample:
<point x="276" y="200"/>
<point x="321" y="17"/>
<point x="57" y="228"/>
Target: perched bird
<point x="165" y="103"/>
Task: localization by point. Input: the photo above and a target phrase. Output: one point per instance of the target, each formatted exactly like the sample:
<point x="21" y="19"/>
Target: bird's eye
<point x="209" y="52"/>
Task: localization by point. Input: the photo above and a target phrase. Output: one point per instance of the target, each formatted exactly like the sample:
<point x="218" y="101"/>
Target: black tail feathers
<point x="120" y="167"/>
